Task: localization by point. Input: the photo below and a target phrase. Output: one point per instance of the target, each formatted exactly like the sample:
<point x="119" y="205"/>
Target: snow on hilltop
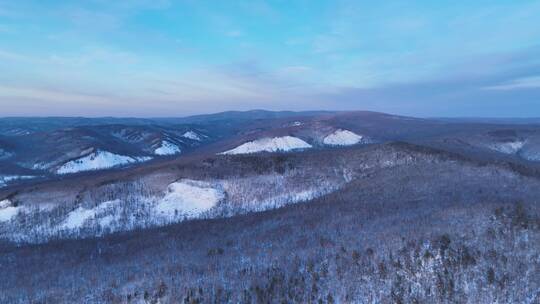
<point x="167" y="148"/>
<point x="188" y="198"/>
<point x="276" y="144"/>
<point x="508" y="147"/>
<point x="342" y="138"/>
<point x="98" y="160"/>
<point x="192" y="135"/>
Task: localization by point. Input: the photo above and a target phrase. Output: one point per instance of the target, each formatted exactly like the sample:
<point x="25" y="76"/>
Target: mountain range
<point x="267" y="207"/>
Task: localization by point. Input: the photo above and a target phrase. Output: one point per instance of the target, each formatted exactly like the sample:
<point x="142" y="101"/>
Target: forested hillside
<point x="442" y="229"/>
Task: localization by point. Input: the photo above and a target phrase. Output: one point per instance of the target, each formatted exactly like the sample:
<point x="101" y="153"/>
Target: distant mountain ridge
<point x="41" y="147"/>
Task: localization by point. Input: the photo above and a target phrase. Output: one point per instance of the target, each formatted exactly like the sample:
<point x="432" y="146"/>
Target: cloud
<point x="160" y="55"/>
<point x="8" y="55"/>
<point x="507" y="91"/>
<point x="459" y="90"/>
<point x="234" y="33"/>
<point x="88" y="19"/>
<point x="522" y="83"/>
<point x="94" y="55"/>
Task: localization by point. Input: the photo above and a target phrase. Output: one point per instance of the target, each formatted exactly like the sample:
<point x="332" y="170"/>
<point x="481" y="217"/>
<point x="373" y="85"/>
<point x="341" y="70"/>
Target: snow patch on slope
<point x="78" y="217"/>
<point x="508" y="147"/>
<point x="5" y="154"/>
<point x="188" y="198"/>
<point x="7" y="211"/>
<point x="342" y="138"/>
<point x="98" y="160"/>
<point x="530" y="154"/>
<point x="6" y="179"/>
<point x="192" y="135"/>
<point x="167" y="148"/>
<point x="276" y="144"/>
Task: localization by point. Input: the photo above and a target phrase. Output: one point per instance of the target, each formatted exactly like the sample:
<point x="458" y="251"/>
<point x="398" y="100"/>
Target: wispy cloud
<point x="517" y="84"/>
<point x="94" y="55"/>
<point x="159" y="55"/>
<point x="234" y="33"/>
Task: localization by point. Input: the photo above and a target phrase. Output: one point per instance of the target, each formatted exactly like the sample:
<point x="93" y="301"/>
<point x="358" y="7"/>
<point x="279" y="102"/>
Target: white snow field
<point x="508" y="147"/>
<point x="342" y="138"/>
<point x="98" y="160"/>
<point x="79" y="216"/>
<point x="188" y="198"/>
<point x="7" y="211"/>
<point x="275" y="144"/>
<point x="167" y="148"/>
<point x="192" y="135"/>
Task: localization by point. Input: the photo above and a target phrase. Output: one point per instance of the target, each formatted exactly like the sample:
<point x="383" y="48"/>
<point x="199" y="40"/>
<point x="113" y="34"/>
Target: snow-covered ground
<point x="508" y="147"/>
<point x="188" y="198"/>
<point x="167" y="148"/>
<point x="531" y="154"/>
<point x="270" y="191"/>
<point x="7" y="211"/>
<point x="342" y="138"/>
<point x="98" y="160"/>
<point x="184" y="199"/>
<point x="5" y="154"/>
<point x="129" y="206"/>
<point x="192" y="135"/>
<point x="78" y="217"/>
<point x="6" y="179"/>
<point x="275" y="144"/>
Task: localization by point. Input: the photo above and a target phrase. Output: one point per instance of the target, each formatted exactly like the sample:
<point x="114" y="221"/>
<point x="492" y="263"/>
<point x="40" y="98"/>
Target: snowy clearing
<point x="7" y="211"/>
<point x="167" y="148"/>
<point x="342" y="138"/>
<point x="79" y="216"/>
<point x="192" y="135"/>
<point x="508" y="147"/>
<point x="188" y="198"/>
<point x="276" y="144"/>
<point x="98" y="160"/>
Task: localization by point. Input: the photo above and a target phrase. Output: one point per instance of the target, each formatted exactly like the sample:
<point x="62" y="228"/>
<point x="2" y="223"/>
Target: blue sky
<point x="176" y="58"/>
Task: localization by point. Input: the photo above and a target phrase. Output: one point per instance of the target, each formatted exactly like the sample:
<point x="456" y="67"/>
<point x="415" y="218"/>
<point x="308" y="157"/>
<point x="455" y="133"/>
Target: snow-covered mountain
<point x="61" y="145"/>
<point x="160" y="199"/>
<point x="98" y="160"/>
<point x="342" y="138"/>
<point x="434" y="180"/>
<point x="54" y="143"/>
<point x="6" y="179"/>
<point x="270" y="144"/>
<point x="192" y="135"/>
<point x="511" y="147"/>
<point x="167" y="148"/>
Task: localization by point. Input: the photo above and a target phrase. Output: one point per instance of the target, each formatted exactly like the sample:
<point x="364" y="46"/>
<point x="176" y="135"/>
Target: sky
<point x="155" y="58"/>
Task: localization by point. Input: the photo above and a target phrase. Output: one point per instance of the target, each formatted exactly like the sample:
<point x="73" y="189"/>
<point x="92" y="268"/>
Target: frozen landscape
<point x="395" y="201"/>
<point x="269" y="152"/>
